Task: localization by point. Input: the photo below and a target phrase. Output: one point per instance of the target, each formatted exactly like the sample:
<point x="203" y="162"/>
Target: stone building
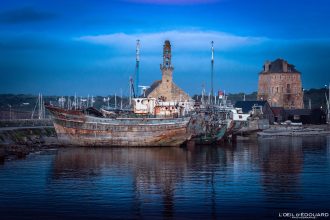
<point x="280" y="85"/>
<point x="165" y="89"/>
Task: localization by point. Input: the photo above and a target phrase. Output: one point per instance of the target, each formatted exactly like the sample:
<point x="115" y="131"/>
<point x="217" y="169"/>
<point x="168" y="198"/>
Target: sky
<point x="61" y="47"/>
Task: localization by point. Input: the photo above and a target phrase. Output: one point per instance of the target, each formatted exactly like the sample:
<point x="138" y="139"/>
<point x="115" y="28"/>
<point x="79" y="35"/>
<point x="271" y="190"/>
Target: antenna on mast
<point x="137" y="64"/>
<point x="212" y="68"/>
<point x="144" y="89"/>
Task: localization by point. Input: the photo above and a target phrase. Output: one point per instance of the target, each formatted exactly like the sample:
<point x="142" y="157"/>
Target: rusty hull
<point x="73" y="128"/>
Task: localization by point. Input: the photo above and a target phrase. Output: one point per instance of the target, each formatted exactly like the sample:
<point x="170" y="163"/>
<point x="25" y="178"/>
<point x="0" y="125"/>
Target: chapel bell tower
<point x="166" y="68"/>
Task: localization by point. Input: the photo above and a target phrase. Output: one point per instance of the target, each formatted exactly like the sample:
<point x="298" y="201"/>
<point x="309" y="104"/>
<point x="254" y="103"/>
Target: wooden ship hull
<point x="74" y="127"/>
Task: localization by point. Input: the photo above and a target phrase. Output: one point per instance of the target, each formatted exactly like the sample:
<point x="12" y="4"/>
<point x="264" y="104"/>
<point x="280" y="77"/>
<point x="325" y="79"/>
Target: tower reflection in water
<point x="281" y="163"/>
<point x="156" y="175"/>
<point x="209" y="179"/>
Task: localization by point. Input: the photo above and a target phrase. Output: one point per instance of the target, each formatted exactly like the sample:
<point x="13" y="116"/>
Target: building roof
<point x="152" y="87"/>
<point x="297" y="111"/>
<point x="277" y="67"/>
<point x="246" y="106"/>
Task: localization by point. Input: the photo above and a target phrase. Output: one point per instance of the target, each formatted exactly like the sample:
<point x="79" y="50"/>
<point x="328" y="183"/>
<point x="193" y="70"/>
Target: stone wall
<point x="169" y="91"/>
<point x="281" y="89"/>
<point x="18" y="142"/>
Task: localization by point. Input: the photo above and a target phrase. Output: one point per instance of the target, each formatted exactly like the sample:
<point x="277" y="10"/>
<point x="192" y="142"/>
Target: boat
<point x="215" y="123"/>
<point x="156" y="119"/>
<point x="151" y="122"/>
<point x="147" y="125"/>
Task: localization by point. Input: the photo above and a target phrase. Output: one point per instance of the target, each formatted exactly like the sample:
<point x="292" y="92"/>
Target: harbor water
<point x="254" y="179"/>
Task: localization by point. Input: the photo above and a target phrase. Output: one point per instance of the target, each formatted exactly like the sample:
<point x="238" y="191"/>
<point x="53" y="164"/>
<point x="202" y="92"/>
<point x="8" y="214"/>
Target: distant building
<point x="280" y="85"/>
<point x="247" y="107"/>
<point x="305" y="116"/>
<point x="165" y="89"/>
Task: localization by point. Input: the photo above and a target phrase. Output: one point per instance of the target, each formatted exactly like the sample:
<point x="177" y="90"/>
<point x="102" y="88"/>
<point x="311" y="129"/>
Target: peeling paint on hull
<point x="85" y="130"/>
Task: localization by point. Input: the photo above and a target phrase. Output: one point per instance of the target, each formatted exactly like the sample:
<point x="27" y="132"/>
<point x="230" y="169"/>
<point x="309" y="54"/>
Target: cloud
<point x="23" y="15"/>
<point x="180" y="40"/>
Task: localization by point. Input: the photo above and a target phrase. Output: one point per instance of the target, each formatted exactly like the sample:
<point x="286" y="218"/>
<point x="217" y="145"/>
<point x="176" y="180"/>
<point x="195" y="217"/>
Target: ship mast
<point x="137" y="65"/>
<point x="212" y="70"/>
<point x="203" y="94"/>
<point x="130" y="91"/>
<point x="115" y="101"/>
<point x="41" y="108"/>
<point x="121" y="99"/>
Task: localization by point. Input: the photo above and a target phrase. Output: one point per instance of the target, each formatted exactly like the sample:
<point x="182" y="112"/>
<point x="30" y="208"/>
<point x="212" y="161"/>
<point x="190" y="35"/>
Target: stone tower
<point x="166" y="67"/>
<point x="166" y="89"/>
<point x="280" y="85"/>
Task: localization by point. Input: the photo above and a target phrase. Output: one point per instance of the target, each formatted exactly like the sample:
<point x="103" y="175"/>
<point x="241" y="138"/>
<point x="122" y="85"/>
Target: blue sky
<point x="88" y="47"/>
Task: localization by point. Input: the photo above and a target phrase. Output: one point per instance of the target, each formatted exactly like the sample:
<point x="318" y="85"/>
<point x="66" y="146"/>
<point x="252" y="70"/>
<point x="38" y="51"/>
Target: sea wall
<point x="18" y="142"/>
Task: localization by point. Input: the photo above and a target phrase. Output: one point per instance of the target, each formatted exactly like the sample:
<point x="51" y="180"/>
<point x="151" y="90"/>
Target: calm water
<point x="254" y="179"/>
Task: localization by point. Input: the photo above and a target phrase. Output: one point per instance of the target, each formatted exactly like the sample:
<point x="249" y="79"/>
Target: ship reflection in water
<point x="251" y="180"/>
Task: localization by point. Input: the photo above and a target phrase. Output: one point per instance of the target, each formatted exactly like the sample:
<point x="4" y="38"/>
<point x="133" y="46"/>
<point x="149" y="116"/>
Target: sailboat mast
<point x="121" y="99"/>
<point x="212" y="69"/>
<point x="137" y="65"/>
<point x="115" y="101"/>
<point x="40" y="106"/>
<point x="130" y="92"/>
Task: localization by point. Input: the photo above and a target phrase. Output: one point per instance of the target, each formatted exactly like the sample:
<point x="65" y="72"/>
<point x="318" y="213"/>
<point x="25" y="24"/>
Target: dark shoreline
<point x="18" y="142"/>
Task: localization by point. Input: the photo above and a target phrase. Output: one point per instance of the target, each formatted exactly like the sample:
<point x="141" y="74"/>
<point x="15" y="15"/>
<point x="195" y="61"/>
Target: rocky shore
<point x="20" y="141"/>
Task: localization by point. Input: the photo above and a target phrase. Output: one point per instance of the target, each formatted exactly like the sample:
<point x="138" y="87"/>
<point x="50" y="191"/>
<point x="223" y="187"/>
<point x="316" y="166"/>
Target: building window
<point x="276" y="89"/>
<point x="288" y="88"/>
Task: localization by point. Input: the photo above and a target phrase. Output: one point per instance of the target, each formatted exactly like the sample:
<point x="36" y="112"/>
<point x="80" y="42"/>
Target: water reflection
<point x="214" y="180"/>
<point x="154" y="171"/>
<point x="281" y="163"/>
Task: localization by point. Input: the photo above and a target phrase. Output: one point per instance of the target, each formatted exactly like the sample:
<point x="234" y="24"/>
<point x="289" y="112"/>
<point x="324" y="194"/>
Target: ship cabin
<point x="237" y="114"/>
<point x="151" y="106"/>
<point x="144" y="106"/>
